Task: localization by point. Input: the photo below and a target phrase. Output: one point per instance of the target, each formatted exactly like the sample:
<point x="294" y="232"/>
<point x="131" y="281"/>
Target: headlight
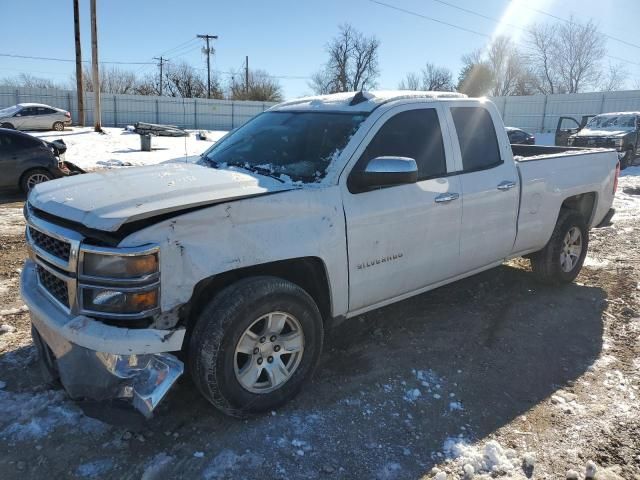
<point x="618" y="142"/>
<point x="570" y="141"/>
<point x="119" y="283"/>
<point x="119" y="301"/>
<point x="118" y="266"/>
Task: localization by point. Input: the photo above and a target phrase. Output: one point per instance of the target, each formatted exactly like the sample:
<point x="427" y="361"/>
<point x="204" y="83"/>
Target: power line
<point x="177" y="47"/>
<point x="420" y="15"/>
<point x="542" y="12"/>
<point x="28" y="57"/>
<point x="472" y="12"/>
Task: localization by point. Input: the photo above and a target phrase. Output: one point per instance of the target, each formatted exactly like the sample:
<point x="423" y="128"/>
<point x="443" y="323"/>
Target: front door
<point x="566" y="127"/>
<point x="406" y="237"/>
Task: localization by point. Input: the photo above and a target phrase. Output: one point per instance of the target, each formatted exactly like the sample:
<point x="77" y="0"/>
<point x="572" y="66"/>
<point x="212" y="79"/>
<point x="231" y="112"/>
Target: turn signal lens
<point x="117" y="301"/>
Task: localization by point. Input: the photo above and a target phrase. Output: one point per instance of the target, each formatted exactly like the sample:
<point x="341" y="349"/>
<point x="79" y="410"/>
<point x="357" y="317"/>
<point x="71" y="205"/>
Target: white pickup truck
<point x="317" y="210"/>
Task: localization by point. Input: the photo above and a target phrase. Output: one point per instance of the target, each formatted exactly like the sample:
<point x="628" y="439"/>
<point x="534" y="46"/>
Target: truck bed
<point x="523" y="153"/>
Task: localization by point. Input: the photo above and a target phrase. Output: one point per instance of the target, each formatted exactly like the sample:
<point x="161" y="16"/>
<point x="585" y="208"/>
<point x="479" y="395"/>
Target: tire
<point x="58" y="126"/>
<point x="33" y="177"/>
<point x="627" y="159"/>
<point x="547" y="264"/>
<point x="218" y="369"/>
<point x="7" y="125"/>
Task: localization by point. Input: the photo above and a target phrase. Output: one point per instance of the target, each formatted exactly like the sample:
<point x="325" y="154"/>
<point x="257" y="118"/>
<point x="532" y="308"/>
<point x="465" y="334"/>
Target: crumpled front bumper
<point x="99" y="361"/>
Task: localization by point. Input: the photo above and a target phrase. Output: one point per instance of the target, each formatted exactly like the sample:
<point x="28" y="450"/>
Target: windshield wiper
<point x="255" y="169"/>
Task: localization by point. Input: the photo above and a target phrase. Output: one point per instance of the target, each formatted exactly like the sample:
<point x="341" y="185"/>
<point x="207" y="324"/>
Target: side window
<point x="517" y="136"/>
<point x="415" y="134"/>
<point x="25" y="112"/>
<point x="47" y="111"/>
<point x="477" y="138"/>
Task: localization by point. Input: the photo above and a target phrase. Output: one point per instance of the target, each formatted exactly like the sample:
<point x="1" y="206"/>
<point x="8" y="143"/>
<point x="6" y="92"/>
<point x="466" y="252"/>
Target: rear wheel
<point x="255" y="345"/>
<point x="7" y="125"/>
<point x="560" y="261"/>
<point x="33" y="177"/>
<point x="58" y="126"/>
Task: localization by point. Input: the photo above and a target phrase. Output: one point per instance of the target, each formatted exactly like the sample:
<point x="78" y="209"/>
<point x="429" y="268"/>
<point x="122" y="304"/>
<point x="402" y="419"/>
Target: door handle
<point x="506" y="185"/>
<point x="447" y="197"/>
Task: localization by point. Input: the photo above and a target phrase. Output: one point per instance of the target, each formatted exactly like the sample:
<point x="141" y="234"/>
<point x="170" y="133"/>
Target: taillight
<point x="67" y="114"/>
<point x="615" y="181"/>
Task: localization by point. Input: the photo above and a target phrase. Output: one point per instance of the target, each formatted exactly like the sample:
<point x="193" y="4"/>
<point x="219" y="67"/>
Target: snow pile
<point x="479" y="462"/>
<point x="30" y="416"/>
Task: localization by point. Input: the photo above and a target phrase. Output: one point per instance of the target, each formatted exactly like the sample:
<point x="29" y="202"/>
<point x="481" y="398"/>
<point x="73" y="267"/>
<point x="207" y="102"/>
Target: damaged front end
<point x="92" y="310"/>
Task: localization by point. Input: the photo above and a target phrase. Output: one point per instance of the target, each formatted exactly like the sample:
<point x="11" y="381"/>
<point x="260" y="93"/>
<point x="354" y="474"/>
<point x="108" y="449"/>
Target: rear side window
<point x="477" y="138"/>
<point x="415" y="134"/>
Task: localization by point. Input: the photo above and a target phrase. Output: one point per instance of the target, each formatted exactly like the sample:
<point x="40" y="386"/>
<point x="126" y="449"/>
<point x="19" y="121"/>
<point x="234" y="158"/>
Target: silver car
<point x="34" y="116"/>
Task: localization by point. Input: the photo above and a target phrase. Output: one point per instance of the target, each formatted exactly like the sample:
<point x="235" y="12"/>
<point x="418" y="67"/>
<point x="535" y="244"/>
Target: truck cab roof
<point x="359" y="101"/>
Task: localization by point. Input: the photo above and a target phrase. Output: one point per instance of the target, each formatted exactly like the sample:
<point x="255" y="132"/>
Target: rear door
<point x="490" y="187"/>
<point x="566" y="127"/>
<point x="44" y="117"/>
<point x="403" y="238"/>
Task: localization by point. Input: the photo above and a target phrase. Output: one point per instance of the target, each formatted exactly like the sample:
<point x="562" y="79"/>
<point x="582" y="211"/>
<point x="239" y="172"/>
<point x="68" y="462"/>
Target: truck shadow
<point x="480" y="352"/>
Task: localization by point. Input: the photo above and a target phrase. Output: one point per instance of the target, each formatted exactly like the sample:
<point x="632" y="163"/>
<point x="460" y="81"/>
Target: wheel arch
<point x="583" y="203"/>
<point x="309" y="273"/>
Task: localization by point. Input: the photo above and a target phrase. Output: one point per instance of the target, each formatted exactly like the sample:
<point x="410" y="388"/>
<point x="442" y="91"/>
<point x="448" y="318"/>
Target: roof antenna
<point x="358" y="98"/>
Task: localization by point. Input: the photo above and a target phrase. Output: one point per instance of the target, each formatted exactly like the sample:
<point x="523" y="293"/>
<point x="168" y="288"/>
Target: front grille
<point x="51" y="245"/>
<point x="600" y="142"/>
<point x="54" y="285"/>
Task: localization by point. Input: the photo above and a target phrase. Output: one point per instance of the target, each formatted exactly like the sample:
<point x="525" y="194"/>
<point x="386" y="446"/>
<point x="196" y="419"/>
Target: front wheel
<point x="560" y="261"/>
<point x="255" y="344"/>
<point x="33" y="177"/>
<point x="7" y="125"/>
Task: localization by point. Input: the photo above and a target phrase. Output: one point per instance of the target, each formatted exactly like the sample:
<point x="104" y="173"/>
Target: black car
<point x="520" y="137"/>
<point x="26" y="161"/>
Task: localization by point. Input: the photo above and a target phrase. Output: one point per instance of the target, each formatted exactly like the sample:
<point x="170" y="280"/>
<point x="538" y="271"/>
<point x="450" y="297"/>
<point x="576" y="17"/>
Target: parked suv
<point x="34" y="116"/>
<point x="611" y="130"/>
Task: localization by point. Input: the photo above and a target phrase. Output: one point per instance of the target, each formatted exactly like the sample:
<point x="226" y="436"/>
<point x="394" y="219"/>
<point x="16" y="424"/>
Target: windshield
<point x="5" y="112"/>
<point x="612" y="121"/>
<point x="299" y="145"/>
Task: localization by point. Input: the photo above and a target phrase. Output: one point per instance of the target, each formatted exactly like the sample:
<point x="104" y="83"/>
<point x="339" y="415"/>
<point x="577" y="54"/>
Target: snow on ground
<point x="118" y="147"/>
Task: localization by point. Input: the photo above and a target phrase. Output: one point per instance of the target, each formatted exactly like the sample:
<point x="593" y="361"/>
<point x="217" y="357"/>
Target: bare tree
<point x="29" y="81"/>
<point x="261" y="87"/>
<point x="475" y="79"/>
<point x="540" y="56"/>
<point x="431" y="78"/>
<point x="112" y="80"/>
<point x="614" y="78"/>
<point x="411" y="82"/>
<point x="566" y="57"/>
<point x="183" y="80"/>
<point x="352" y="64"/>
<point x="504" y="61"/>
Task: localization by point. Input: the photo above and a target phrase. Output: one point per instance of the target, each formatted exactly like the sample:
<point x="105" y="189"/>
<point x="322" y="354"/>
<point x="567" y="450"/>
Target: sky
<point x="287" y="38"/>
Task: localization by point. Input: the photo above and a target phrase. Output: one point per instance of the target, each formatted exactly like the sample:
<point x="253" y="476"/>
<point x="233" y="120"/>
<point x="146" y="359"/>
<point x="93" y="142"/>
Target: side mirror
<point x="385" y="172"/>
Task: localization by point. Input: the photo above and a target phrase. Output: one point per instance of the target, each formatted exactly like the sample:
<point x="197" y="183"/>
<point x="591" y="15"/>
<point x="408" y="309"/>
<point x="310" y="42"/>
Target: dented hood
<point x="108" y="199"/>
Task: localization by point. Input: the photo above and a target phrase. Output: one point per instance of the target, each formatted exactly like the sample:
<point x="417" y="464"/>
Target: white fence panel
<point x="540" y="113"/>
<point x="121" y="110"/>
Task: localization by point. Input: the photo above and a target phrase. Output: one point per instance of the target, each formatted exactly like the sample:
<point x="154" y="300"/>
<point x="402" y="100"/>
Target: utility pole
<point x="97" y="115"/>
<point x="246" y="74"/>
<point x="162" y="60"/>
<point x="79" y="89"/>
<point x="207" y="51"/>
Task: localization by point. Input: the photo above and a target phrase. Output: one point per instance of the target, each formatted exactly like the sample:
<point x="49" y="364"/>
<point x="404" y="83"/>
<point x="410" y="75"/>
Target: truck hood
<point x="108" y="199"/>
<point x="587" y="132"/>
